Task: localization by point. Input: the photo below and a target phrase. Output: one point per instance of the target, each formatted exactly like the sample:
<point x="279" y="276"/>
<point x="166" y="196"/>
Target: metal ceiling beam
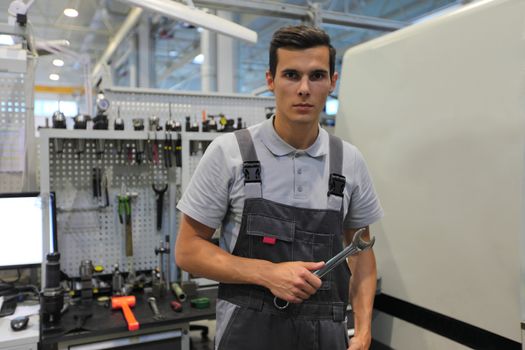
<point x="276" y="9"/>
<point x="125" y="28"/>
<point x="73" y="28"/>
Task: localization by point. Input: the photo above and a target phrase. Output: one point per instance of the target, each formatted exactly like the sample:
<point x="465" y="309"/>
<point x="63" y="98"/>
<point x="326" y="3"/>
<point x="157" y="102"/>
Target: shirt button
<point x="299" y="171"/>
<point x="300" y="189"/>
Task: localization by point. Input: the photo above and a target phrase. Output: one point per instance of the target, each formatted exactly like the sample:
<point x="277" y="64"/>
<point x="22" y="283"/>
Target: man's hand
<point x="293" y="281"/>
<point x="358" y="343"/>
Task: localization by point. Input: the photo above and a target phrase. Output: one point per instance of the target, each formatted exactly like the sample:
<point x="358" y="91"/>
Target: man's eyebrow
<point x="324" y="71"/>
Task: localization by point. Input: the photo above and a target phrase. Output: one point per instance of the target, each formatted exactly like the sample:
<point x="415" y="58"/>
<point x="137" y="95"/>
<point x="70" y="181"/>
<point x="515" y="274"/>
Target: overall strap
<point x="336" y="182"/>
<point x="251" y="164"/>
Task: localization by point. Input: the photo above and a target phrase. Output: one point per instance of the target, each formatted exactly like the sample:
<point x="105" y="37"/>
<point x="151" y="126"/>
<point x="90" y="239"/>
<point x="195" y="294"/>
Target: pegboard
<point x="12" y="131"/>
<point x="88" y="232"/>
<point x="88" y="227"/>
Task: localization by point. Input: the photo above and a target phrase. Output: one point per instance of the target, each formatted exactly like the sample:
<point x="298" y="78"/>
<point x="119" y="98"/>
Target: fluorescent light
<point x="54" y="76"/>
<point x="6" y="40"/>
<point x="58" y="62"/>
<point x="71" y="12"/>
<point x="197" y="17"/>
<point x="199" y="59"/>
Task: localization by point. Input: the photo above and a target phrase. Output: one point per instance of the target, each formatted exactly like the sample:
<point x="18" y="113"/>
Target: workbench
<point x="107" y="329"/>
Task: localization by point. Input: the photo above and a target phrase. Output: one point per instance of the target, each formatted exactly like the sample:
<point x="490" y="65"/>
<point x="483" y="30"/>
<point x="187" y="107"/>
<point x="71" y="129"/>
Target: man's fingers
<point x="313" y="266"/>
<point x="313" y="281"/>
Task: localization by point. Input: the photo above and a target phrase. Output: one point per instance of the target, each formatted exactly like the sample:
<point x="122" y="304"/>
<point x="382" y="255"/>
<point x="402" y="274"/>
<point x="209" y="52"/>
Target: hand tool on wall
<point x="168" y="148"/>
<point x="124" y="210"/>
<point x="100" y="180"/>
<point x="170" y="127"/>
<point x="125" y="303"/>
<point x="152" y="301"/>
<point x="154" y="126"/>
<point x="178" y="152"/>
<point x="106" y="191"/>
<point x="159" y="196"/>
<point x="80" y="123"/>
<point x="155" y="151"/>
<point x="118" y="126"/>
<point x="168" y="262"/>
<point x="97" y="182"/>
<point x="138" y="125"/>
<point x="59" y="122"/>
<point x="357" y="245"/>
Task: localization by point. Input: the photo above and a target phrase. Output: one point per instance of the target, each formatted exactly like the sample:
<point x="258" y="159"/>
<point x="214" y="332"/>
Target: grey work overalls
<point x="278" y="233"/>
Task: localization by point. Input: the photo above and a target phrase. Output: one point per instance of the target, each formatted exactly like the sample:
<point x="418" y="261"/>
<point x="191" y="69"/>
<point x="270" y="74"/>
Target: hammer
<point x="125" y="303"/>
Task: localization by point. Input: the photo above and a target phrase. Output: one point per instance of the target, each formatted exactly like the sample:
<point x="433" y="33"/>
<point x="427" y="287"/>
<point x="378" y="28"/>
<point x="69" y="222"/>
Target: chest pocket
<point x="270" y="238"/>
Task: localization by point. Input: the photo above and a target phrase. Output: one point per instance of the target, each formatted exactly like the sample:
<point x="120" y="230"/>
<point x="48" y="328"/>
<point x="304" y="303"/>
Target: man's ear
<point x="269" y="80"/>
<point x="333" y="82"/>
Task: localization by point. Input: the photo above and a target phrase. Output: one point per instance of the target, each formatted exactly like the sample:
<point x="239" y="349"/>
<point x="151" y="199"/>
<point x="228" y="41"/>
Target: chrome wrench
<point x="358" y="245"/>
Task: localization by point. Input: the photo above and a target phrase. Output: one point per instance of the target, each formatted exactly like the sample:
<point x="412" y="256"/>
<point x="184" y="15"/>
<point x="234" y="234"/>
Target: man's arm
<point x="362" y="292"/>
<point x="290" y="281"/>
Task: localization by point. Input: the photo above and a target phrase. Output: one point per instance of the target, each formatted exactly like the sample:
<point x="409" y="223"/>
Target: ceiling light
<point x="58" y="62"/>
<point x="199" y="59"/>
<point x="197" y="17"/>
<point x="173" y="53"/>
<point x="54" y="77"/>
<point x="6" y="40"/>
<point x="71" y="12"/>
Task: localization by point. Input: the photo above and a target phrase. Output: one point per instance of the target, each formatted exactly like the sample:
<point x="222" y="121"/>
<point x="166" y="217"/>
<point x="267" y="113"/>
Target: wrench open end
<point x="360" y="243"/>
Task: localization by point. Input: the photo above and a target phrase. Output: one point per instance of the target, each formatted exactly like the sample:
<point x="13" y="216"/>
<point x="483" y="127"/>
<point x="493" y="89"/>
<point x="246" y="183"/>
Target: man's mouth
<point x="303" y="105"/>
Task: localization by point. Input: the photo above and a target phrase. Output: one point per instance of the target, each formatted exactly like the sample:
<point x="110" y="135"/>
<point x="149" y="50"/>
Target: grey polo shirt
<point x="299" y="178"/>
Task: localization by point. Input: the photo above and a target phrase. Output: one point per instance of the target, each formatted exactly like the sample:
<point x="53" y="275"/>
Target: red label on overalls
<point x="269" y="240"/>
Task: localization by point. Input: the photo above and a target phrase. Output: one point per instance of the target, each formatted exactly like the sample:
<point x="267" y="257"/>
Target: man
<point x="287" y="195"/>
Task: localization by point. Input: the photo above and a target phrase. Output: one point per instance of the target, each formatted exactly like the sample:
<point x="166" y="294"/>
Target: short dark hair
<point x="299" y="37"/>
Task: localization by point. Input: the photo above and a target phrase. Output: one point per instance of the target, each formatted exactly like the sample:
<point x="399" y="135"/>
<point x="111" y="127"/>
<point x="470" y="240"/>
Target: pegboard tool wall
<point x="88" y="232"/>
<point x="87" y="228"/>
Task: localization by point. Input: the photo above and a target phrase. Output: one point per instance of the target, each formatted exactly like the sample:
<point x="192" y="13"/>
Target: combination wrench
<point x="358" y="245"/>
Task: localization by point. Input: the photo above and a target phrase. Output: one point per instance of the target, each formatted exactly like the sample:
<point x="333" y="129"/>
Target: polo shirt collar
<point x="279" y="147"/>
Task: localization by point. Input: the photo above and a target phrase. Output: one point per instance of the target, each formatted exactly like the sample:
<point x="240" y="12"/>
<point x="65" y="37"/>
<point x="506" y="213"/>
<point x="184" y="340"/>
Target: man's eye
<point x="317" y="76"/>
<point x="291" y="75"/>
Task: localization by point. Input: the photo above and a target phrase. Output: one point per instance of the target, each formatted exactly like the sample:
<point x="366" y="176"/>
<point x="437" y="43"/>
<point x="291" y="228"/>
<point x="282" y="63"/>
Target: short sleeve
<point x="206" y="197"/>
<point x="364" y="207"/>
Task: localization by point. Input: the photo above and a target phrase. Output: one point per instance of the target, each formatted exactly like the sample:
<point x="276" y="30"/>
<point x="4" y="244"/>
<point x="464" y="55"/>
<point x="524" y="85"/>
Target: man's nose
<point x="304" y="87"/>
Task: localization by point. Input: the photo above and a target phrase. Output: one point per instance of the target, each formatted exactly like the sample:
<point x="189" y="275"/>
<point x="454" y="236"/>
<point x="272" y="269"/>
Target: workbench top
<point x="104" y="320"/>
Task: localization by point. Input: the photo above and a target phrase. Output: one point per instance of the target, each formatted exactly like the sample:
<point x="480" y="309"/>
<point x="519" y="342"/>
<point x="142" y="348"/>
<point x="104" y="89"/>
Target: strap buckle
<point x="336" y="185"/>
<point x="252" y="171"/>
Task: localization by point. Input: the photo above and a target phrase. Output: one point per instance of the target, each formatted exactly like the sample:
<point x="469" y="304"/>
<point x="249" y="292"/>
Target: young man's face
<point x="301" y="83"/>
